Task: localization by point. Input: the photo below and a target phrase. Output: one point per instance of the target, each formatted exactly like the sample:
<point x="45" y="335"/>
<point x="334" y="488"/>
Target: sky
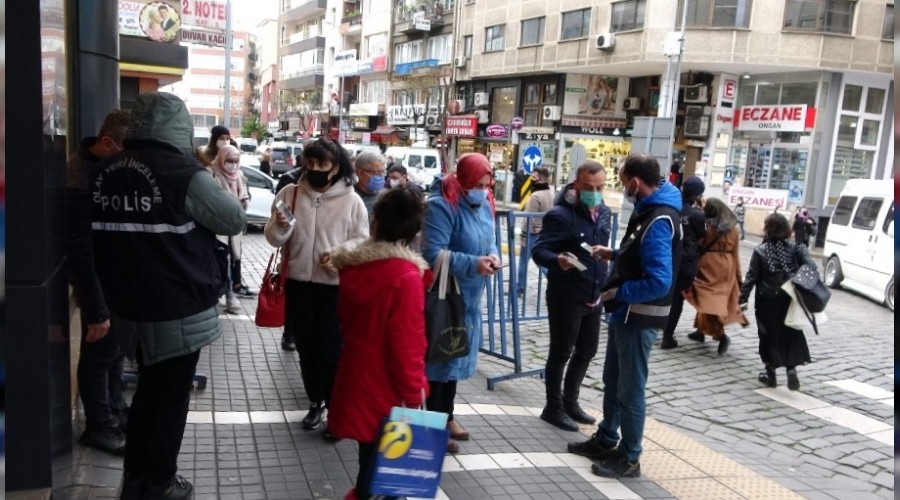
<point x="248" y="13"/>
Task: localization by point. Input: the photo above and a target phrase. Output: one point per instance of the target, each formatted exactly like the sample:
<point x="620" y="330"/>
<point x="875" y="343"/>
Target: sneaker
<point x="109" y="440"/>
<point x="313" y="419"/>
<point x="594" y="448"/>
<point x="793" y="382"/>
<point x="232" y="306"/>
<point x="696" y="336"/>
<point x="242" y="292"/>
<point x="616" y="467"/>
<point x="287" y="343"/>
<point x="579" y="415"/>
<point x="668" y="343"/>
<point x="724" y="342"/>
<point x="175" y="488"/>
<point x="558" y="418"/>
<point x="132" y="486"/>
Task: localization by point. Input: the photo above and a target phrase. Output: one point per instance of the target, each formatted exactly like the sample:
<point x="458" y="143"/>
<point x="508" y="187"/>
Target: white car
<point x="262" y="195"/>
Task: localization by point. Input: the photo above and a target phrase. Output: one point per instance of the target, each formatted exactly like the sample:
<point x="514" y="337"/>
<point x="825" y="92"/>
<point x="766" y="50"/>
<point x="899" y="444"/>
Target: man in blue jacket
<point x="573" y="293"/>
<point x="638" y="296"/>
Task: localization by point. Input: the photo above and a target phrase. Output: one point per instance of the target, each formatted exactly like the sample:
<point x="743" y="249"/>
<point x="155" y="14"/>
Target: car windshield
<point x="248" y="148"/>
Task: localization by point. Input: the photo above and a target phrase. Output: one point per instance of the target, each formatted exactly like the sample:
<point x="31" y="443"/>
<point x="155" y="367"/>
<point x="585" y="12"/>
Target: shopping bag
<point x="270" y="304"/>
<point x="445" y="315"/>
<point x="410" y="454"/>
<point x="797" y="316"/>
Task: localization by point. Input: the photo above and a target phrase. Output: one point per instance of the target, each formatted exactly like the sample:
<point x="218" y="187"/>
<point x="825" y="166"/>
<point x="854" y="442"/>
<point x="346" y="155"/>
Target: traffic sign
<point x="532" y="158"/>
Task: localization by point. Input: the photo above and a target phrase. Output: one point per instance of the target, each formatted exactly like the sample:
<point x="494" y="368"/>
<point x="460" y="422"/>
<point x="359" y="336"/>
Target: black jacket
<point x="768" y="283"/>
<point x="804" y="229"/>
<point x="565" y="228"/>
<point x="289" y="177"/>
<point x="693" y="227"/>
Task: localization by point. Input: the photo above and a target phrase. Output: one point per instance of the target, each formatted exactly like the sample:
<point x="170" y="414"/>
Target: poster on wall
<point x="158" y="21"/>
<point x="593" y="95"/>
<point x="795" y="192"/>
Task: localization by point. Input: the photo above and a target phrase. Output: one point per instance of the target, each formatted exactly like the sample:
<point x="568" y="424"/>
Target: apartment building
<point x="791" y="95"/>
<point x="303" y="28"/>
<point x="267" y="45"/>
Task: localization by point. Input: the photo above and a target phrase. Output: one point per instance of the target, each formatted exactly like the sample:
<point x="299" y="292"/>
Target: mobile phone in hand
<point x="285" y="212"/>
<point x="574" y="261"/>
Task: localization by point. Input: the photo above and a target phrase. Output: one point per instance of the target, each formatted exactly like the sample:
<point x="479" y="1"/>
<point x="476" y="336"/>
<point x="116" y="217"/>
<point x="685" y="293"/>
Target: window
<point x="887" y="29"/>
<point x="376" y="45"/>
<point x="503" y="104"/>
<point x="532" y="95"/>
<point x="576" y="24"/>
<point x="533" y="31"/>
<point x="439" y="48"/>
<point x="830" y="16"/>
<point x="375" y="91"/>
<point x="408" y="52"/>
<point x="719" y="13"/>
<point x="493" y="38"/>
<point x="628" y="15"/>
<point x="842" y="210"/>
<point x="888" y="219"/>
<point x="550" y="93"/>
<point x="867" y="213"/>
<point x="467" y="46"/>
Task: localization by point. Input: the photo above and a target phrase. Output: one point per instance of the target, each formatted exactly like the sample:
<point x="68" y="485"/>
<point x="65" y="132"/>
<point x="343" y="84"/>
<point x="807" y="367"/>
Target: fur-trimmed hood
<point x="370" y="251"/>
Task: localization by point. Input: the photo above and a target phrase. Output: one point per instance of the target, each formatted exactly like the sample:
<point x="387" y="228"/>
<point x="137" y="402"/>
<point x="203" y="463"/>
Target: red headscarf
<point x="470" y="168"/>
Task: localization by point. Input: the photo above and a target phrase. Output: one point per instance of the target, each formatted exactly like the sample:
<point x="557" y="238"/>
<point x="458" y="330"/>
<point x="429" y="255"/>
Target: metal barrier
<point x="506" y="308"/>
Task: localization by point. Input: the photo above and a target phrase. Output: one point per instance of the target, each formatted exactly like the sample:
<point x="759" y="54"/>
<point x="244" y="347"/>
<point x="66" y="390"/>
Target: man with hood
<point x="573" y="293"/>
<point x="638" y="296"/>
<point x="155" y="215"/>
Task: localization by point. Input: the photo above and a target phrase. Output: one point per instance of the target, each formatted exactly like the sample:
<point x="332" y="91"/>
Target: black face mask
<point x="317" y="179"/>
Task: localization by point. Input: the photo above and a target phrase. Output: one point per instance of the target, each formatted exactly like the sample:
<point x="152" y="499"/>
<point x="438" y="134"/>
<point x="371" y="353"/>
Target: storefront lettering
<point x="537" y="137"/>
<point x="781" y="113"/>
<point x="787" y="118"/>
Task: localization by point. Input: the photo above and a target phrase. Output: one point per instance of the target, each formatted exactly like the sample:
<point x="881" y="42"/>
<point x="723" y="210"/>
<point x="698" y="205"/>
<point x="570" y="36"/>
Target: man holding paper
<point x="578" y="224"/>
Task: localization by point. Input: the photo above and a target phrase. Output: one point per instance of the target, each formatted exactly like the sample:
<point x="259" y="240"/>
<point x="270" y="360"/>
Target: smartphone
<point x="285" y="212"/>
<point x="498" y="267"/>
<point x="574" y="261"/>
<point x="587" y="247"/>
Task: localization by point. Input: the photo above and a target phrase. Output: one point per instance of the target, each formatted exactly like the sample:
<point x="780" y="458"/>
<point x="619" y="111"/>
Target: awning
<point x="385" y="130"/>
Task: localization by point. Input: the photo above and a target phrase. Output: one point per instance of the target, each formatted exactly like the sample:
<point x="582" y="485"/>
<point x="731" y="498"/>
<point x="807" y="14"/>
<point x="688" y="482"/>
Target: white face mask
<point x="394" y="182"/>
<point x="231" y="166"/>
<point x="221" y="143"/>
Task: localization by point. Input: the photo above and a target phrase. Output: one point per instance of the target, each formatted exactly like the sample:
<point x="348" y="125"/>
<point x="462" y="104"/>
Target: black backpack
<point x="693" y="227"/>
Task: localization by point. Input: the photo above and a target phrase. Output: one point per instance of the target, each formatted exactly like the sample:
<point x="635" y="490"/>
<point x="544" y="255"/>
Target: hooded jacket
<point x="324" y="222"/>
<point x="565" y="227"/>
<point x="381" y="306"/>
<point x="644" y="272"/>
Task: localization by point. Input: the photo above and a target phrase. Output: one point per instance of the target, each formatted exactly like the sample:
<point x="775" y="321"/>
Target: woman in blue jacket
<point x="460" y="218"/>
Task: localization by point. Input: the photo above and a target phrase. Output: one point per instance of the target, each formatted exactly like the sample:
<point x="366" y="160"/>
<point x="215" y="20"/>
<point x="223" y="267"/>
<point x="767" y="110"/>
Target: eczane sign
<point x="759" y="198"/>
<point x="785" y="118"/>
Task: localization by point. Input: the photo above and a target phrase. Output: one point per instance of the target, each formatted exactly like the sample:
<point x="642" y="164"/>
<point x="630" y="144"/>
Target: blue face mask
<point x="590" y="198"/>
<point x="476" y="196"/>
<point x="376" y="183"/>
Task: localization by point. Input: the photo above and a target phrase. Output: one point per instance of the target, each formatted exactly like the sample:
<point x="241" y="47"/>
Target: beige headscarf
<point x="233" y="178"/>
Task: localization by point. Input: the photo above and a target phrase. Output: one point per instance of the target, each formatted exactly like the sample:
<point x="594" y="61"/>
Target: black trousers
<point x="364" y="477"/>
<point x="674" y="315"/>
<point x="223" y="259"/>
<point x="100" y="380"/>
<point x="157" y="418"/>
<point x="236" y="273"/>
<point x="312" y="318"/>
<point x="441" y="396"/>
<point x="574" y="336"/>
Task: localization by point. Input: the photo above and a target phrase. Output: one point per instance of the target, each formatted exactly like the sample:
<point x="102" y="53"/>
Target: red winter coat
<point x="381" y="306"/>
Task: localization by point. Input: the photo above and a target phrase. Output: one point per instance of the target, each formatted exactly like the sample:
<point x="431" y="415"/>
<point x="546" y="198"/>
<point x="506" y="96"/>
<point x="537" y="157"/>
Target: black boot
<point x="767" y="377"/>
<point x="557" y="417"/>
<point x="313" y="419"/>
<point x="574" y="410"/>
<point x="793" y="382"/>
<point x="668" y="342"/>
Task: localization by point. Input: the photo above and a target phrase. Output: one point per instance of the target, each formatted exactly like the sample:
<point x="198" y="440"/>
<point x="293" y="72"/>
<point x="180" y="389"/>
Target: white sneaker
<point x="233" y="306"/>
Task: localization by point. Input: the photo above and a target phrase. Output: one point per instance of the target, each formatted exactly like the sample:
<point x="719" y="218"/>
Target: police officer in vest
<point x="155" y="215"/>
<point x="638" y="295"/>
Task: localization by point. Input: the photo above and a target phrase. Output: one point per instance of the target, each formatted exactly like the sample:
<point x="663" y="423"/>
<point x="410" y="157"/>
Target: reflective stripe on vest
<point x="649" y="310"/>
<point x="133" y="227"/>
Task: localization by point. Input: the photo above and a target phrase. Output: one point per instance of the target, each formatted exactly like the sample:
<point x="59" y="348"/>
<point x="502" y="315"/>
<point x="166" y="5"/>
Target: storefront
<point x="608" y="146"/>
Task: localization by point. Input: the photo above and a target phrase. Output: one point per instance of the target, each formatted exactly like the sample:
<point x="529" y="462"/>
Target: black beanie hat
<point x="218" y="131"/>
<point x="692" y="186"/>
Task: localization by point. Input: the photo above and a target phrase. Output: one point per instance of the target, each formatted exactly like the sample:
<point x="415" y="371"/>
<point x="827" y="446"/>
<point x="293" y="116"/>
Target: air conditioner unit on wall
<point x="552" y="113"/>
<point x="432" y="120"/>
<point x="696" y="124"/>
<point x="460" y="62"/>
<point x="632" y="103"/>
<point x="482" y="115"/>
<point x="482" y="99"/>
<point x="697" y="93"/>
<point x="605" y="41"/>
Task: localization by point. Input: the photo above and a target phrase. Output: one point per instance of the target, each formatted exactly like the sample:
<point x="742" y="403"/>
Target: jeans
<point x="223" y="257"/>
<point x="624" y="379"/>
<point x="100" y="380"/>
<point x="312" y="318"/>
<point x="741" y="225"/>
<point x="574" y="335"/>
<point x="158" y="415"/>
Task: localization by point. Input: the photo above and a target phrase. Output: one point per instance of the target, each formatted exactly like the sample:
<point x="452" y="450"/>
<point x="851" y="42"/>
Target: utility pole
<point x="672" y="103"/>
<point x="228" y="43"/>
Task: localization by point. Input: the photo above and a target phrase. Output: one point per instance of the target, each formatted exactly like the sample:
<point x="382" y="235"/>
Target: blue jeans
<point x="625" y="379"/>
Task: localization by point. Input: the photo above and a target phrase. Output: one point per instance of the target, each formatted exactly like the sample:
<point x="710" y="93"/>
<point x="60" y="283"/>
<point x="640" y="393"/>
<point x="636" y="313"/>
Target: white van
<point x="859" y="241"/>
<point x="423" y="165"/>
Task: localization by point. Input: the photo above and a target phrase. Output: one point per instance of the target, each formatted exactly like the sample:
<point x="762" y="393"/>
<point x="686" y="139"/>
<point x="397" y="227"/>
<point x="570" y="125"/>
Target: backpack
<point x="693" y="227"/>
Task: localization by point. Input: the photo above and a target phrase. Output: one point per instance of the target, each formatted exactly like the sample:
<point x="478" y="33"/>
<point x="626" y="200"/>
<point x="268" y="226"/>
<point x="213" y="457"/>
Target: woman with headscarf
<point x="226" y="171"/>
<point x="773" y="262"/>
<point x="219" y="136"/>
<point x="714" y="293"/>
<point x="460" y="218"/>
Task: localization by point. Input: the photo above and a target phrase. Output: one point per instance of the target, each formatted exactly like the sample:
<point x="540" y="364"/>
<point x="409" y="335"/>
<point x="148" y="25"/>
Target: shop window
<point x="852" y="97"/>
<point x="532" y="94"/>
<point x="799" y="93"/>
<point x="843" y="210"/>
<point x="576" y="24"/>
<point x="847" y="128"/>
<point x="550" y="93"/>
<point x="767" y="94"/>
<point x="531" y="117"/>
<point x="875" y="101"/>
<point x="869" y="134"/>
<point x="887" y="29"/>
<point x="849" y="164"/>
<point x="532" y="31"/>
<point x="718" y="13"/>
<point x="867" y="213"/>
<point x="503" y="104"/>
<point x="829" y="16"/>
<point x="628" y="15"/>
<point x="493" y="38"/>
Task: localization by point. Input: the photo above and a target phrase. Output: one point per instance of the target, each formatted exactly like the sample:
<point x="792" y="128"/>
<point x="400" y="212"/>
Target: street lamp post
<point x="672" y="105"/>
<point x="228" y="43"/>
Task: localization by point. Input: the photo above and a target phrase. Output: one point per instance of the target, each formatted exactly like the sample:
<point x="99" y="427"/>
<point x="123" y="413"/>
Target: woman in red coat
<point x="381" y="305"/>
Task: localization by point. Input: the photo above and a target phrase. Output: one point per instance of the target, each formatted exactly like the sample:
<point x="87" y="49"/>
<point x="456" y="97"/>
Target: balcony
<point x="406" y="15"/>
<point x="253" y="57"/>
<point x="408" y="68"/>
<point x="299" y="9"/>
<point x="307" y="78"/>
<point x="351" y="24"/>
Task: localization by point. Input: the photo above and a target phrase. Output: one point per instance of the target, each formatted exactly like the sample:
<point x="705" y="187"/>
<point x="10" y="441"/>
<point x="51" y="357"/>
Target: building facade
<point x="267" y="67"/>
<point x="303" y="28"/>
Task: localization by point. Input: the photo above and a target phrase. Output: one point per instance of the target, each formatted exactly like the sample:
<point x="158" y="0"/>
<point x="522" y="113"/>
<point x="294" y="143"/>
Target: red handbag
<point x="270" y="304"/>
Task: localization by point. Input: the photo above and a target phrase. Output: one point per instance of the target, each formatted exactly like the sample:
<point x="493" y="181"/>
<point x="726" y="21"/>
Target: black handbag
<point x="813" y="294"/>
<point x="445" y="315"/>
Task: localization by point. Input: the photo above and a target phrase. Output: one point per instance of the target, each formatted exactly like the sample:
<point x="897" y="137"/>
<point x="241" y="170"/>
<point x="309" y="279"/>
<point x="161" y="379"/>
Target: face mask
<point x="317" y="179"/>
<point x="395" y="183"/>
<point x="221" y="143"/>
<point x="476" y="196"/>
<point x="376" y="183"/>
<point x="231" y="166"/>
<point x="630" y="197"/>
<point x="590" y="198"/>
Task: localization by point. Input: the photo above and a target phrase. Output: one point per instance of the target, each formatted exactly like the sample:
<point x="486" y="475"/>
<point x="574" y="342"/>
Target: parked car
<point x="249" y="160"/>
<point x="262" y="195"/>
<point x="247" y="145"/>
<point x="423" y="165"/>
<point x="284" y="156"/>
<point x="355" y="149"/>
<point x="859" y="240"/>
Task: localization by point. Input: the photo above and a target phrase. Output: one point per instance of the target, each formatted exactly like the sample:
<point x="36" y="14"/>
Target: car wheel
<point x="889" y="294"/>
<point x="833" y="274"/>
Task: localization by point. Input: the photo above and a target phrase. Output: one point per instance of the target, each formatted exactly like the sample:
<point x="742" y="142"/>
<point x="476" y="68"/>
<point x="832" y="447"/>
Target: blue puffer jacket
<point x="565" y="227"/>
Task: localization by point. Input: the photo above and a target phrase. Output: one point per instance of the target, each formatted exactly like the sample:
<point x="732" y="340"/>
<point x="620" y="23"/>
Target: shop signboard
<point x="594" y="95"/>
<point x="204" y="13"/>
<point x="496" y="131"/>
<point x="363" y="109"/>
<point x="159" y="21"/>
<point x="461" y="126"/>
<point x="759" y="198"/>
<point x="203" y="38"/>
<point x="517" y="123"/>
<point x="405" y="114"/>
<point x="345" y="63"/>
<point x="784" y="118"/>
